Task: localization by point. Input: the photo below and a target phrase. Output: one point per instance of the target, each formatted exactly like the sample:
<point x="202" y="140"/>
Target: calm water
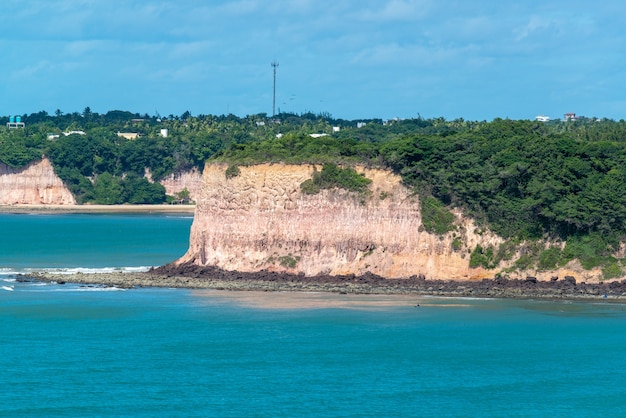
<point x="83" y="351"/>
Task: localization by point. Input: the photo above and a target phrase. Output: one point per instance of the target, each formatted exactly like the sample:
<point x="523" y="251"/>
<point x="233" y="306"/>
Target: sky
<point x="353" y="59"/>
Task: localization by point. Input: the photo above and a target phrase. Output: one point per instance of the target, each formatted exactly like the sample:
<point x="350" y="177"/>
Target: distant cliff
<point x="38" y="184"/>
<point x="190" y="180"/>
<point x="34" y="184"/>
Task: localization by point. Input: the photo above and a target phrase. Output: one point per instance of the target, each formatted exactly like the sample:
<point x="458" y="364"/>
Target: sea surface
<point x="82" y="351"/>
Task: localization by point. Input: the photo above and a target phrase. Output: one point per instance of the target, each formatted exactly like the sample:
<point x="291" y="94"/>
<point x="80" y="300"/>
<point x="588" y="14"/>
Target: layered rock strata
<point x="261" y="221"/>
<point x="177" y="182"/>
<point x="34" y="184"/>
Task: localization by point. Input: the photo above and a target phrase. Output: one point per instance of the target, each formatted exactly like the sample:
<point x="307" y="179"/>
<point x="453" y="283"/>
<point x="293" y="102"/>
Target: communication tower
<point x="274" y="65"/>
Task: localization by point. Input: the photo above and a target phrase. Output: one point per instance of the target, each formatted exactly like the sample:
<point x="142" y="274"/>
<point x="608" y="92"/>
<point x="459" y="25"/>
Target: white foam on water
<point x="88" y="289"/>
<point x="88" y="270"/>
<point x="6" y="273"/>
<point x="12" y="273"/>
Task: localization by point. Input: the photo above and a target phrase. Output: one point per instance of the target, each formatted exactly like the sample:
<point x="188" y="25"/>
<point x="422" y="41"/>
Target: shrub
<point x="309" y="187"/>
<point x="288" y="261"/>
<point x="482" y="258"/>
<point x="550" y="258"/>
<point x="590" y="250"/>
<point x="524" y="262"/>
<point x="612" y="270"/>
<point x="232" y="171"/>
<point x="333" y="176"/>
<point x="435" y="217"/>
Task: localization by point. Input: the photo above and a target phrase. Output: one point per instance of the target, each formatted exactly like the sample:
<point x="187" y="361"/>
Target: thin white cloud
<point x="241" y="7"/>
<point x="195" y="50"/>
<point x="82" y="48"/>
<point x="396" y="10"/>
<point x="535" y="25"/>
<point x="32" y="70"/>
<point x="298" y="7"/>
<point x="413" y="56"/>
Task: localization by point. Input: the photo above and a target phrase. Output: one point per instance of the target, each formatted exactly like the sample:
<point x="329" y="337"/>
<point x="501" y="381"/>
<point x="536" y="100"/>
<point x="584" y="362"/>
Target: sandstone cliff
<point x="190" y="180"/>
<point x="260" y="220"/>
<point x="34" y="184"/>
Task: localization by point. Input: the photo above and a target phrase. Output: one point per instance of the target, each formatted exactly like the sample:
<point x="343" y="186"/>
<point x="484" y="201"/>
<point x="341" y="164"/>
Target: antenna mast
<point x="274" y="64"/>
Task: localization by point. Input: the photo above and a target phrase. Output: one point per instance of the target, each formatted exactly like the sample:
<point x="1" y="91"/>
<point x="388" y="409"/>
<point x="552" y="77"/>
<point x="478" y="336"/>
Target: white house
<point x="74" y="133"/>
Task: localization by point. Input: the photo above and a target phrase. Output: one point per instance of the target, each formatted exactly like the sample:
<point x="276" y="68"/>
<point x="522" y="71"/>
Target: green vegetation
<point x="333" y="176"/>
<point x="527" y="181"/>
<point x="483" y="257"/>
<point x="550" y="258"/>
<point x="288" y="261"/>
<point x="17" y="148"/>
<point x="232" y="171"/>
<point x="435" y="217"/>
<point x="182" y="197"/>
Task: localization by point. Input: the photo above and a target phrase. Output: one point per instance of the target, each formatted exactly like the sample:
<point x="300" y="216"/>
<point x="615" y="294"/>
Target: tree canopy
<point x="525" y="180"/>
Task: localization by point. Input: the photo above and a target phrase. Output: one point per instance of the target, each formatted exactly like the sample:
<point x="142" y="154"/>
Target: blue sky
<point x="471" y="59"/>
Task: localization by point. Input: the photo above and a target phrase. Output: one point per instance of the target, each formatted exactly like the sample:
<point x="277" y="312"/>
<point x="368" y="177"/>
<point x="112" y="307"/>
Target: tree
<point x="108" y="190"/>
<point x="138" y="190"/>
<point x="183" y="196"/>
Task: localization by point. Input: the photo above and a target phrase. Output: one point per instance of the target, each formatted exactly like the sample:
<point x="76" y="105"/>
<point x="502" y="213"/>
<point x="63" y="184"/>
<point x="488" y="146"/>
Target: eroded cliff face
<point x="35" y="184"/>
<point x="261" y="220"/>
<point x="190" y="180"/>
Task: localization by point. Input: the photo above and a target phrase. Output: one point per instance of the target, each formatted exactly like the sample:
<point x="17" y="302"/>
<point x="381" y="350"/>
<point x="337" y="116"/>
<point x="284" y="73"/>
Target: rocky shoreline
<point x="195" y="277"/>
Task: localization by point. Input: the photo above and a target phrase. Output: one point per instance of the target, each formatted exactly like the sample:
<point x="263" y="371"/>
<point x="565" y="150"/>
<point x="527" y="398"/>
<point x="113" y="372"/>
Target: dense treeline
<point x="525" y="180"/>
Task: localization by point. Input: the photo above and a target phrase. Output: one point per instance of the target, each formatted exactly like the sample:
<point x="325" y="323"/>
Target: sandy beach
<point x="97" y="209"/>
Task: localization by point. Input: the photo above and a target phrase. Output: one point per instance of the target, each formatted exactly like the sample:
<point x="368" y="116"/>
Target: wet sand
<point x="309" y="300"/>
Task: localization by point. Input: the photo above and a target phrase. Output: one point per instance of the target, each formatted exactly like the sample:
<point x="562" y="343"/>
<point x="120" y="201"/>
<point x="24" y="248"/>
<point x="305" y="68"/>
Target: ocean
<point x="76" y="351"/>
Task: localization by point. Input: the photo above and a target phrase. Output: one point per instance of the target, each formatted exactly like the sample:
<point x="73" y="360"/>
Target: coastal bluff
<point x="260" y="220"/>
<point x="37" y="184"/>
<point x="33" y="184"/>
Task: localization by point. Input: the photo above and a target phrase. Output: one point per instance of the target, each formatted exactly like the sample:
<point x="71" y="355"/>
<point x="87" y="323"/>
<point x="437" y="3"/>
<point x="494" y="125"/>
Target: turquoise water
<point x="91" y="240"/>
<point x="87" y="351"/>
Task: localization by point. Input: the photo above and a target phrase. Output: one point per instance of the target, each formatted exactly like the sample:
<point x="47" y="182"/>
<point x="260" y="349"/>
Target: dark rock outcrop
<point x="500" y="287"/>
